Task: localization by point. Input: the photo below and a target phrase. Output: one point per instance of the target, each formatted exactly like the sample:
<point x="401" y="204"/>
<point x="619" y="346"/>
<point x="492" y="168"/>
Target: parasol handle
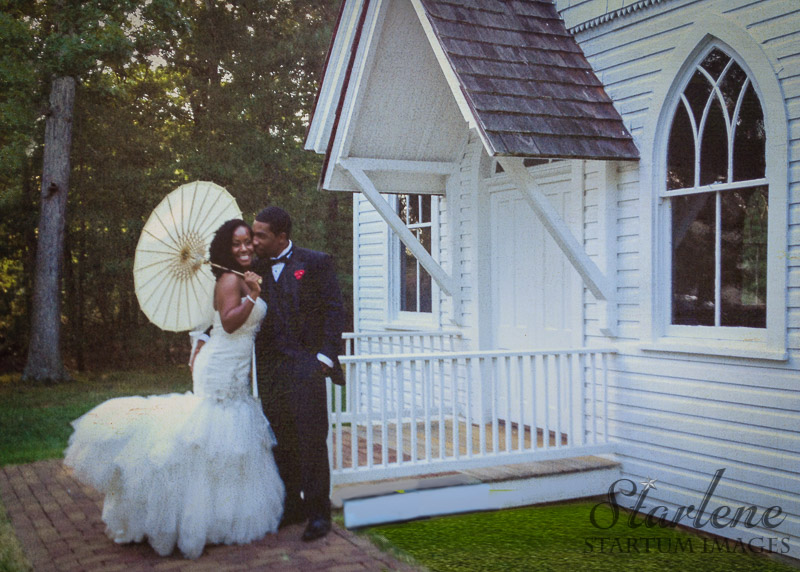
<point x="228" y="269"/>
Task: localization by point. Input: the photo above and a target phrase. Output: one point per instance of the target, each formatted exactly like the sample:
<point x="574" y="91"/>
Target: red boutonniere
<point x="298" y="274"/>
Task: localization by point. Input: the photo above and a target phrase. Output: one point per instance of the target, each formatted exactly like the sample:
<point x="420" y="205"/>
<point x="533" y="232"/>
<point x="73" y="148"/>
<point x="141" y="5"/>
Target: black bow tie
<point x="282" y="260"/>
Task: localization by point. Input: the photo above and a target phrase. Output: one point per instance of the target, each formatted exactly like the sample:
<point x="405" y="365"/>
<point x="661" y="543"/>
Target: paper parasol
<point x="173" y="285"/>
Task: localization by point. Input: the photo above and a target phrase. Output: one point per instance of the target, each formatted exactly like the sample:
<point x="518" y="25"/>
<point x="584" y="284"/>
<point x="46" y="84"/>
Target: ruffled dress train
<point x="189" y="469"/>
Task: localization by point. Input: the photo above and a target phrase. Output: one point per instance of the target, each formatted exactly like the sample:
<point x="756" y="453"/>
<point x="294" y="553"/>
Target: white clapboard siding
<point x="369" y="265"/>
<point x="593" y="243"/>
<point x="465" y="270"/>
<point x="443" y="257"/>
<point x="628" y="273"/>
<point x="681" y="417"/>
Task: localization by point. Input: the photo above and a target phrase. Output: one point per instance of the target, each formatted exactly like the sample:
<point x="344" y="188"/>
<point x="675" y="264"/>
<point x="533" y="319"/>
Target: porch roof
<point x="526" y="80"/>
<point x="522" y="79"/>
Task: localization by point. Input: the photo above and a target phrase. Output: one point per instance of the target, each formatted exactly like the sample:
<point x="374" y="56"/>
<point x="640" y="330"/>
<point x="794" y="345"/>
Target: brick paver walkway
<point x="57" y="521"/>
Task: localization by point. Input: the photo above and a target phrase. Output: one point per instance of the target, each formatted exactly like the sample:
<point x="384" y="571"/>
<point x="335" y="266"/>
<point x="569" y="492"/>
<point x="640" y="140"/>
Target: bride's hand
<point x="251" y="280"/>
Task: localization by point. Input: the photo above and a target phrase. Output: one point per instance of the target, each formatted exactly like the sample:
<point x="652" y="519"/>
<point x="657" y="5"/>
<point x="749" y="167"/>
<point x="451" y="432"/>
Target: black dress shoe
<point x="317" y="528"/>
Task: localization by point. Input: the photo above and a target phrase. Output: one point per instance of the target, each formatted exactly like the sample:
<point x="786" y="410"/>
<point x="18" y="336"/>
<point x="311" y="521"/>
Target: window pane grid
<point x="415" y="284"/>
<point x="715" y="188"/>
<point x="718" y="246"/>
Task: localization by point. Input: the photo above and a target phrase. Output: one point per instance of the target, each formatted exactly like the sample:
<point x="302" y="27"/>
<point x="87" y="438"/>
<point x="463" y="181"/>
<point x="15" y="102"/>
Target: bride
<point x="191" y="469"/>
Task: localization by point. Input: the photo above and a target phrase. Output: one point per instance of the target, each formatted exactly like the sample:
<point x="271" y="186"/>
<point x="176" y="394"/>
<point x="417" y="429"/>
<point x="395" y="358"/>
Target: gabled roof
<point x="526" y="80"/>
<point x="514" y="69"/>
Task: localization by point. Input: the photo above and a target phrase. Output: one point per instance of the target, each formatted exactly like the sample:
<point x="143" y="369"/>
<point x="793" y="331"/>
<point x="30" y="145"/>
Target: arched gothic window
<point x="718" y="199"/>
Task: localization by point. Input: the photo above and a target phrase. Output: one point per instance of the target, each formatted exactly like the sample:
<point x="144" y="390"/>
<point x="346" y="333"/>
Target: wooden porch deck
<point x="440" y="441"/>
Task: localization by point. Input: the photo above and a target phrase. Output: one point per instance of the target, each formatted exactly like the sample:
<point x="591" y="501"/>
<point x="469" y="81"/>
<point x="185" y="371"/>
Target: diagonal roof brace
<point x="597" y="283"/>
<point x="443" y="279"/>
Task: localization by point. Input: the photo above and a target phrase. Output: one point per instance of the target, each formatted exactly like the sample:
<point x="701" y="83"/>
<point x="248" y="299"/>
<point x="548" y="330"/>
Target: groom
<point x="296" y="349"/>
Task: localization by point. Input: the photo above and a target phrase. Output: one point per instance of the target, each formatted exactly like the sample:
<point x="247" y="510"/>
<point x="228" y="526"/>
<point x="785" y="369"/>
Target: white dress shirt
<point x="278" y="268"/>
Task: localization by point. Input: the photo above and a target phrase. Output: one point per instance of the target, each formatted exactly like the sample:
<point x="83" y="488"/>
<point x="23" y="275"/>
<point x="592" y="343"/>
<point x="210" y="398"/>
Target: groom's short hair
<point x="277" y="219"/>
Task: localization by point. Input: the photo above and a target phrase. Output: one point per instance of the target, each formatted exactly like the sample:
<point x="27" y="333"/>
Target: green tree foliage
<point x="190" y="91"/>
<point x="249" y="74"/>
<point x="19" y="129"/>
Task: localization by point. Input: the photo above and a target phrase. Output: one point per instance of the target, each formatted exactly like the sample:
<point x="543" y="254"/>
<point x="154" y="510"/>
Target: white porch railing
<point x="400" y="342"/>
<point x="417" y="413"/>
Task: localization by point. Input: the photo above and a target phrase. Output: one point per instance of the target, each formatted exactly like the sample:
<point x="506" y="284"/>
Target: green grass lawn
<point x="559" y="537"/>
<point x="35" y="420"/>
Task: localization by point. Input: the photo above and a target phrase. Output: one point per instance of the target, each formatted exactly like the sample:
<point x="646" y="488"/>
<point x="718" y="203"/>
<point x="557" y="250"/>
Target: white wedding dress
<point x="187" y="469"/>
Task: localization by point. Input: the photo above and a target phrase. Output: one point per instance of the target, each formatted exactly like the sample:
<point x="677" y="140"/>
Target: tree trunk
<point x="44" y="352"/>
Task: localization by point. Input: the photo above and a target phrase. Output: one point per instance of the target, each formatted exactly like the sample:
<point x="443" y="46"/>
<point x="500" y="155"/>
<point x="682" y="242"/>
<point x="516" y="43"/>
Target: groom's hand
<point x="325" y="364"/>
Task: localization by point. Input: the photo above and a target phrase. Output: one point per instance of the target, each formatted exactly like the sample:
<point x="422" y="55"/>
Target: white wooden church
<point x="576" y="255"/>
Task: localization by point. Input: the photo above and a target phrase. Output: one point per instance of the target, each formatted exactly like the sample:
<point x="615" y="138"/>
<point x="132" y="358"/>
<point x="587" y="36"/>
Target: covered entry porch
<point x="420" y="415"/>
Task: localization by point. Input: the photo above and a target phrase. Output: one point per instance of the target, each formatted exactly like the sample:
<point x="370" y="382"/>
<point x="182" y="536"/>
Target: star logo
<point x="649" y="484"/>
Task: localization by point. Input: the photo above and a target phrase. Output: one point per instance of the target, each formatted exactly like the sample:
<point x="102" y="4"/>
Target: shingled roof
<point x="531" y="89"/>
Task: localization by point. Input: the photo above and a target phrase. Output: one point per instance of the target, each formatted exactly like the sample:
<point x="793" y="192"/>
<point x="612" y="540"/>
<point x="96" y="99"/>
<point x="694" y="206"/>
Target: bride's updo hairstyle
<point x="221" y="249"/>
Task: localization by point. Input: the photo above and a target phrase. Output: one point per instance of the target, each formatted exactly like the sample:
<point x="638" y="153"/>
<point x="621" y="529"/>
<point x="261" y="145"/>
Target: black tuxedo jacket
<point x="309" y="317"/>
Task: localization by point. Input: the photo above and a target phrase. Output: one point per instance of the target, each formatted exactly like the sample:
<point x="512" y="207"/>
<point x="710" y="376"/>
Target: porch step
<point x="471" y="490"/>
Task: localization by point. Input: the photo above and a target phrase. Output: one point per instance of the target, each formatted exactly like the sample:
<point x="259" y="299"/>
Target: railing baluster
<point x="521" y="384"/>
<point x="368" y="422"/>
<point x="535" y="385"/>
<point x="456" y="424"/>
<point x="442" y="432"/>
<point x="482" y="377"/>
<point x="604" y="365"/>
<point x="494" y="390"/>
<point x="468" y="436"/>
<point x="399" y="407"/>
<point x="350" y="381"/>
<point x="508" y="423"/>
<point x="413" y="366"/>
<point x="427" y="378"/>
<point x="546" y="386"/>
<point x="337" y="392"/>
<point x="583" y="411"/>
<point x="355" y="412"/>
<point x="384" y="422"/>
<point x="571" y="401"/>
<point x="558" y="368"/>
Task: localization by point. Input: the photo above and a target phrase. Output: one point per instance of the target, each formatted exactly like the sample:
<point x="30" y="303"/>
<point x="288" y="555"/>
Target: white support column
<point x="594" y="279"/>
<point x="445" y="281"/>
<point x="607" y="235"/>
